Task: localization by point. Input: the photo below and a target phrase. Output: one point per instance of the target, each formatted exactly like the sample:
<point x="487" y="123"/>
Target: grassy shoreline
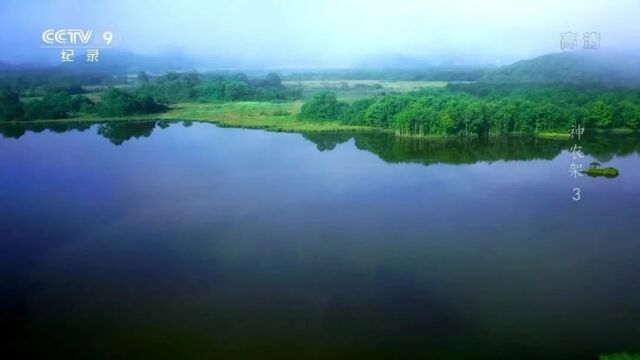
<point x="270" y="116"/>
<point x="279" y="117"/>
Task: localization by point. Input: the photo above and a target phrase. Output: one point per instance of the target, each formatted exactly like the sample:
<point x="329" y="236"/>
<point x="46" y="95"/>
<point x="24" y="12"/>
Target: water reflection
<point x="226" y="243"/>
<point x="388" y="147"/>
<point x="118" y="133"/>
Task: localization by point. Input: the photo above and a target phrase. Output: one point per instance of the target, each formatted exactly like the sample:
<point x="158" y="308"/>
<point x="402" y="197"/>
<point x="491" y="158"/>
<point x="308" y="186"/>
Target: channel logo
<point x="74" y="37"/>
<point x="67" y="36"/>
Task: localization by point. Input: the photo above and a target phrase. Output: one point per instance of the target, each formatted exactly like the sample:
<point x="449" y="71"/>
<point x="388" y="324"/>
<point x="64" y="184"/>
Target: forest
<point x="25" y="96"/>
<point x="485" y="108"/>
<point x="184" y="87"/>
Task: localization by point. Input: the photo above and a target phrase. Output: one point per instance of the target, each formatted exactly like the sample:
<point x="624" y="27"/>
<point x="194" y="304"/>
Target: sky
<point x="329" y="33"/>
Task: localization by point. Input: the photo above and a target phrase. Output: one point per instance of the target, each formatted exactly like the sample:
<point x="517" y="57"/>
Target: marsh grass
<point x="274" y="116"/>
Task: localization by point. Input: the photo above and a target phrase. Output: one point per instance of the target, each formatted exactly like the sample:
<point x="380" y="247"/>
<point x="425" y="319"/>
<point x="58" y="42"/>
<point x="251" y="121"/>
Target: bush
<point x="118" y="103"/>
<point x="323" y="106"/>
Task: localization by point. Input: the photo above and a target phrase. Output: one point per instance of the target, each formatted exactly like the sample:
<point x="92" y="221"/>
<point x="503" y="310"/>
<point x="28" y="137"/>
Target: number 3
<point x="576" y="195"/>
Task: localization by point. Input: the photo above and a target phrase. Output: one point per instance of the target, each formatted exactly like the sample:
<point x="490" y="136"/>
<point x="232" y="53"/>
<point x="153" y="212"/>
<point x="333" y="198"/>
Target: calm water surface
<point x="166" y="239"/>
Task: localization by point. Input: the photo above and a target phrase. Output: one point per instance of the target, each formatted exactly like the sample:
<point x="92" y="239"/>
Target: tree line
<point x="61" y="105"/>
<point x="183" y="87"/>
<point x="150" y="96"/>
<point x="482" y="109"/>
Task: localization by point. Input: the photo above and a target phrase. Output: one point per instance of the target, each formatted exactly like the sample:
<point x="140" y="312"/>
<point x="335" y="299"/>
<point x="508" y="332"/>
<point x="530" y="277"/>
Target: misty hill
<point x="576" y="67"/>
<point x="588" y="66"/>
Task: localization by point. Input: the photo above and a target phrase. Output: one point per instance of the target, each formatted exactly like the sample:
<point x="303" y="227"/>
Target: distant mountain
<point x="586" y="66"/>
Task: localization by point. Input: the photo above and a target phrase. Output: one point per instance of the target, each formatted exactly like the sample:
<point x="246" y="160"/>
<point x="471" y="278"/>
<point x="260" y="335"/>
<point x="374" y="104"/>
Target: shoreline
<point x="270" y="116"/>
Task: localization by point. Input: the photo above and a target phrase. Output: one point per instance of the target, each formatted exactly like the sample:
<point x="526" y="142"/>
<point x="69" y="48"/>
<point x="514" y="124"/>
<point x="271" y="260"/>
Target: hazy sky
<point x="302" y="33"/>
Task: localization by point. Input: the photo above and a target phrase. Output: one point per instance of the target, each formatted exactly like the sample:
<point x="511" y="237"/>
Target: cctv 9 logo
<point x="77" y="37"/>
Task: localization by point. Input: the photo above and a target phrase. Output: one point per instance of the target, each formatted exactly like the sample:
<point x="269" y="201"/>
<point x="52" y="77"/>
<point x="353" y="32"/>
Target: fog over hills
<point x="615" y="68"/>
<point x="581" y="66"/>
<point x="283" y="34"/>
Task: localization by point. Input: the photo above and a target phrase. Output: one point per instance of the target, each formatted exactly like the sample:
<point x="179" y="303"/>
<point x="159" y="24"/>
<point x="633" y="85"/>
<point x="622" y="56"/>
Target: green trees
<point x="444" y="125"/>
<point x="118" y="103"/>
<point x="382" y="111"/>
<point x="323" y="106"/>
<point x="482" y="109"/>
<point x="59" y="100"/>
<point x="628" y="114"/>
<point x="54" y="105"/>
<point x="470" y="116"/>
<point x="37" y="82"/>
<point x="212" y="90"/>
<point x="354" y="113"/>
<point x="415" y="119"/>
<point x="236" y="90"/>
<point x="10" y="106"/>
<point x="57" y="105"/>
<point x="599" y="114"/>
<point x="60" y="105"/>
<point x="272" y="80"/>
<point x="184" y="87"/>
<point x="172" y="87"/>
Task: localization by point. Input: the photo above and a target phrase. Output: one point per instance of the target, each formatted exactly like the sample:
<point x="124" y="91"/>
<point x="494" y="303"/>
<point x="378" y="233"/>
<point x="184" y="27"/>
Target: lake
<point x="177" y="239"/>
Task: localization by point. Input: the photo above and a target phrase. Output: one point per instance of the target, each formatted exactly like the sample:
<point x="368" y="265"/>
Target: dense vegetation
<point x="464" y="109"/>
<point x="119" y="103"/>
<point x="42" y="100"/>
<point x="183" y="87"/>
<point x="10" y="106"/>
<point x="61" y="105"/>
<point x="57" y="105"/>
<point x="39" y="82"/>
<point x="547" y="94"/>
